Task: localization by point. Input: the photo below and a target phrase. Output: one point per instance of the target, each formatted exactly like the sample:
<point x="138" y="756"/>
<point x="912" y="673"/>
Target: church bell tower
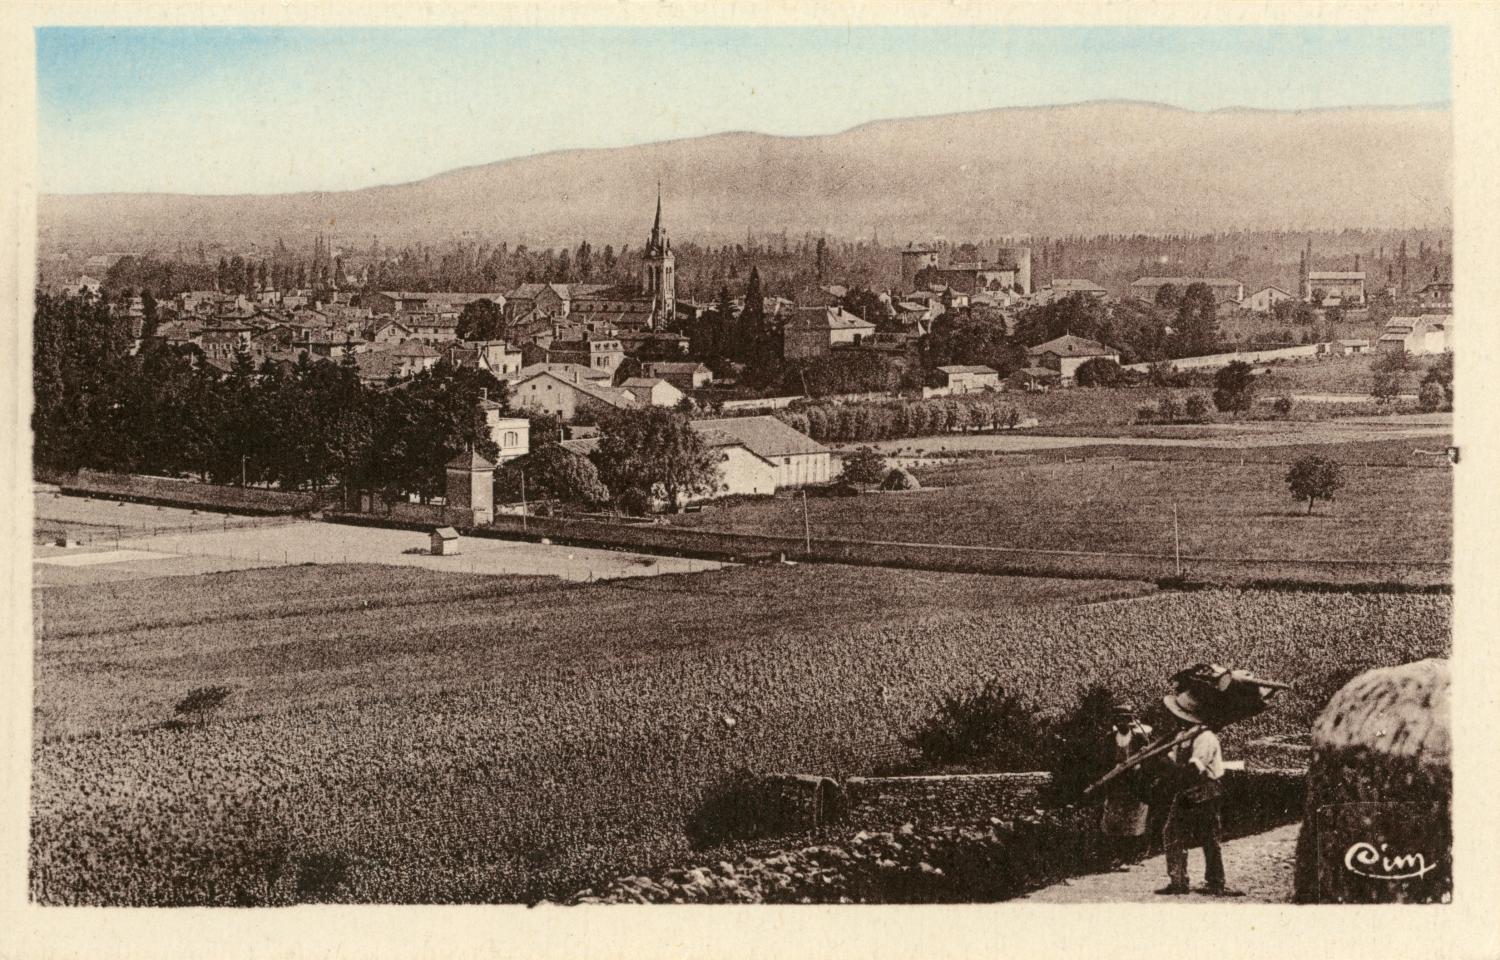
<point x="660" y="280"/>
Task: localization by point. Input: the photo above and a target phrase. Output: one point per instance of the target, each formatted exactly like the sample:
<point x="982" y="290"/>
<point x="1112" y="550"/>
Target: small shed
<point x="444" y="542"/>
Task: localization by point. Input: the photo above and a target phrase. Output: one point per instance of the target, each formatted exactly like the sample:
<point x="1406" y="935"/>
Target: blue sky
<point x="265" y="110"/>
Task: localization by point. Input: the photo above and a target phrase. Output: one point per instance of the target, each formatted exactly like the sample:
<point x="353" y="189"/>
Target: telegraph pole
<point x="1176" y="542"/>
<point x="524" y="525"/>
<point x="806" y="527"/>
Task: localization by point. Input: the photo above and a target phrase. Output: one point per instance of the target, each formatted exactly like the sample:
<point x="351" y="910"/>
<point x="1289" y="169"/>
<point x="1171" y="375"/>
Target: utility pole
<point x="806" y="527"/>
<point x="1176" y="542"/>
<point x="243" y="458"/>
<point x="524" y="525"/>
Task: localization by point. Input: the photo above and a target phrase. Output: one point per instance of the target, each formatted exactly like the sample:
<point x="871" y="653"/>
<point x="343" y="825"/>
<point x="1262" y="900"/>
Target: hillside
<point x="1106" y="167"/>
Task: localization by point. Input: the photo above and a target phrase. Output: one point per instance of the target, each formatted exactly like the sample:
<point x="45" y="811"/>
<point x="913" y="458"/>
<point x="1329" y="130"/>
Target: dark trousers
<point x="1193" y="825"/>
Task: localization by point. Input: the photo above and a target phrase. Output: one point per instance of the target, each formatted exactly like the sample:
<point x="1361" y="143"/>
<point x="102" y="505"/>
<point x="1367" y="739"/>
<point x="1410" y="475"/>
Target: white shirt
<point x="1207" y="755"/>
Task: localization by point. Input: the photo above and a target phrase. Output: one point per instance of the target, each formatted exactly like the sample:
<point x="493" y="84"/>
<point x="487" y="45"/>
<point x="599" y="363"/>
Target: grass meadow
<point x="1224" y="509"/>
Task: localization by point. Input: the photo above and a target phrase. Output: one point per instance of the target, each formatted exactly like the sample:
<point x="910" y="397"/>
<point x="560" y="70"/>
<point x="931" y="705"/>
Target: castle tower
<point x="660" y="274"/>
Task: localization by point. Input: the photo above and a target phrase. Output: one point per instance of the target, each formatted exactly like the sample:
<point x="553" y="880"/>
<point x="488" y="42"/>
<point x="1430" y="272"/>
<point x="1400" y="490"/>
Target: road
<point x="1260" y="866"/>
<point x="205" y="551"/>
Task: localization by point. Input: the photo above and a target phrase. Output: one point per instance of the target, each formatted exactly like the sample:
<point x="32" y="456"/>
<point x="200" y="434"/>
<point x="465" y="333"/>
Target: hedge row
<point x="850" y="422"/>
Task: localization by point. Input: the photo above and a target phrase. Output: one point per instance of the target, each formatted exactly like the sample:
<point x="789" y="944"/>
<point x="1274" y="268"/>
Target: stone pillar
<point x="1377" y="826"/>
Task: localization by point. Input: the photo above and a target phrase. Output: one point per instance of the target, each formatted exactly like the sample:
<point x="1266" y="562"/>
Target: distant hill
<point x="1107" y="167"/>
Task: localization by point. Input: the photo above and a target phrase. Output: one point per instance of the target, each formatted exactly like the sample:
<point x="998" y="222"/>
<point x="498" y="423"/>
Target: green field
<point x="480" y="739"/>
<point x="1224" y="510"/>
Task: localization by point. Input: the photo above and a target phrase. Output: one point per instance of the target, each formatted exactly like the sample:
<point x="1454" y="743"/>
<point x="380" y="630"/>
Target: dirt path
<point x="1260" y="866"/>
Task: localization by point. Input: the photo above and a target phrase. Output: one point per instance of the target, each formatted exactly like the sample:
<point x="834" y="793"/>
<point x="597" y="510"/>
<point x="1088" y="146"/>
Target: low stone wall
<point x="880" y="802"/>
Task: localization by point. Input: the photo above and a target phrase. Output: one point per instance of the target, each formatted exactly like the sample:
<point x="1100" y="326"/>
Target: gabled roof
<point x="563" y="370"/>
<point x="1271" y="287"/>
<point x="419" y="350"/>
<point x="968" y="368"/>
<point x="614" y="396"/>
<point x="1185" y="281"/>
<point x="530" y="291"/>
<point x="1068" y="345"/>
<point x="1335" y="275"/>
<point x="828" y="318"/>
<point x="764" y="436"/>
<point x="583" y="446"/>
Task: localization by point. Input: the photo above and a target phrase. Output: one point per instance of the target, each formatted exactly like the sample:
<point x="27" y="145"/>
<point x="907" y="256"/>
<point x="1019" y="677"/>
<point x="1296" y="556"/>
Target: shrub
<point x="1098" y="372"/>
<point x="1080" y="739"/>
<point x="1234" y="387"/>
<point x="1385" y="386"/>
<point x="900" y="479"/>
<point x="1145" y="413"/>
<point x="863" y="465"/>
<point x="1196" y="408"/>
<point x="1283" y="407"/>
<point x="203" y="701"/>
<point x="986" y="727"/>
<point x="1430" y="397"/>
<point x="1168" y="410"/>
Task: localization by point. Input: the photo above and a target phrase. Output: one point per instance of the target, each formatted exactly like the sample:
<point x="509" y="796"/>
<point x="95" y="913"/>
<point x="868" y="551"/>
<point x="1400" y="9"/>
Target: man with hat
<point x="1123" y="822"/>
<point x="1192" y="775"/>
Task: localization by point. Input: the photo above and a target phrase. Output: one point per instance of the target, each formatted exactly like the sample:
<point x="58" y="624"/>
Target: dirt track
<point x="1259" y="866"/>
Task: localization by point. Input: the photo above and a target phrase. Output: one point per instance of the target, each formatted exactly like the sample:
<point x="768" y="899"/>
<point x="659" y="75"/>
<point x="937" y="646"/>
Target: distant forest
<point x="788" y="266"/>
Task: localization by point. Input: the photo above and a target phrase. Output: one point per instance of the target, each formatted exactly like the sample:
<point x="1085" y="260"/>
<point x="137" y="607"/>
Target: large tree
<point x="1234" y="387"/>
<point x="481" y="320"/>
<point x="652" y="454"/>
<point x="1197" y="321"/>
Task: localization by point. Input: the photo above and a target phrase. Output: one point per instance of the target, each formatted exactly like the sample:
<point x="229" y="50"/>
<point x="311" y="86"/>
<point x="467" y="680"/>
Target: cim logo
<point x="1366" y="860"/>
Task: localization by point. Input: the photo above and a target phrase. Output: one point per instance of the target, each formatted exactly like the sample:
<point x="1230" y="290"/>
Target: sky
<point x="272" y="110"/>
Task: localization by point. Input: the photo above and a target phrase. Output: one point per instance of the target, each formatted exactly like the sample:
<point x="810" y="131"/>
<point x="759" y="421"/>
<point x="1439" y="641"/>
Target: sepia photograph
<point x="577" y="465"/>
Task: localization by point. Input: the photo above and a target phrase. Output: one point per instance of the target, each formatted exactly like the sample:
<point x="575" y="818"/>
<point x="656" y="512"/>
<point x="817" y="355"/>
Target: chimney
<point x="1356" y="263"/>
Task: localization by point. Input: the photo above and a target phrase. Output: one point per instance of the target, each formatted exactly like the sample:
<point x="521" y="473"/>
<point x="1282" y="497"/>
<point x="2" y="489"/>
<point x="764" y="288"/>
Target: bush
<point x="203" y="701"/>
<point x="1283" y="407"/>
<point x="900" y="479"/>
<point x="1234" y="387"/>
<point x="863" y="465"/>
<point x="1080" y="740"/>
<point x="987" y="727"/>
<point x="322" y="876"/>
<point x="1196" y="408"/>
<point x="1145" y="413"/>
<point x="1098" y="372"/>
<point x="1431" y="397"/>
<point x="1168" y="410"/>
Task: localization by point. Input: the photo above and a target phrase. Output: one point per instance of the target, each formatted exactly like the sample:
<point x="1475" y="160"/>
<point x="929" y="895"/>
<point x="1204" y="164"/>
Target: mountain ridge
<point x="1093" y="166"/>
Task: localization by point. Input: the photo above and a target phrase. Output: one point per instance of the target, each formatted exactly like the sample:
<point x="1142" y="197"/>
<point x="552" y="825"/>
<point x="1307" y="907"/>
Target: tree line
<point x="308" y="425"/>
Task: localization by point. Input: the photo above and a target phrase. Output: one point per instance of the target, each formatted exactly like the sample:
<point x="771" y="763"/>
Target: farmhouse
<point x="1430" y="333"/>
<point x="564" y="390"/>
<point x="652" y="392"/>
<point x="1067" y="353"/>
<point x="1224" y="288"/>
<point x="814" y="331"/>
<point x="1333" y="288"/>
<point x="798" y="459"/>
<point x="967" y="379"/>
<point x="1265" y="299"/>
<point x="685" y="376"/>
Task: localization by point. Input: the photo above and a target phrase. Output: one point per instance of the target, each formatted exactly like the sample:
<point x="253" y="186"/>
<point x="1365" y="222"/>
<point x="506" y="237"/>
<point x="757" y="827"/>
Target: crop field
<point x="1224" y="510"/>
<point x="481" y="739"/>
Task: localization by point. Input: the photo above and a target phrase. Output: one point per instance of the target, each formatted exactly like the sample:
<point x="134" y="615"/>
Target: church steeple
<point x="659" y="274"/>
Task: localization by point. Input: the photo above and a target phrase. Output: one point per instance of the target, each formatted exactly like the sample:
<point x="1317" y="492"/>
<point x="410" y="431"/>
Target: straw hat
<point x="1185" y="704"/>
